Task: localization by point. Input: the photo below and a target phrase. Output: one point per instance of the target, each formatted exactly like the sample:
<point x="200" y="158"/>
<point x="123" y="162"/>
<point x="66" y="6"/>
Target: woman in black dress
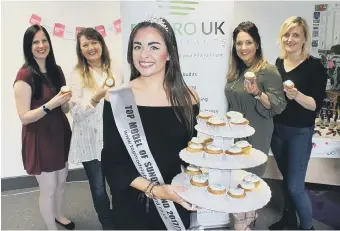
<point x="167" y="108"/>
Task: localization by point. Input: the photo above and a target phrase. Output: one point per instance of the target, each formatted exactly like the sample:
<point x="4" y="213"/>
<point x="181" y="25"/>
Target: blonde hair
<point x="236" y="65"/>
<point x="289" y="23"/>
<point x="87" y="78"/>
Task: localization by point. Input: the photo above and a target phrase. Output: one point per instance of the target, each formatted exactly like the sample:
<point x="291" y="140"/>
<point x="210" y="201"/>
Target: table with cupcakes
<point x="217" y="157"/>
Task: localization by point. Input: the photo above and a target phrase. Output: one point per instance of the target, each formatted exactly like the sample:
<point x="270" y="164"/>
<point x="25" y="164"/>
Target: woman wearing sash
<point x="88" y="84"/>
<point x="167" y="108"/>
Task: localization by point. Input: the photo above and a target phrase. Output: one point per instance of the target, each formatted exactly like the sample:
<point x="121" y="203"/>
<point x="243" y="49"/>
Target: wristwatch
<point x="46" y="109"/>
<point x="148" y="191"/>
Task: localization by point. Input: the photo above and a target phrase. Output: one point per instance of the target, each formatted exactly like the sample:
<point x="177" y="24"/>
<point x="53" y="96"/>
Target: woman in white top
<point x="87" y="82"/>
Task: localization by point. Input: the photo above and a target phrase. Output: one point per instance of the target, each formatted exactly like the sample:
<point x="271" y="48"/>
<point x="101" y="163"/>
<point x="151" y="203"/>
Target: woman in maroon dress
<point x="46" y="132"/>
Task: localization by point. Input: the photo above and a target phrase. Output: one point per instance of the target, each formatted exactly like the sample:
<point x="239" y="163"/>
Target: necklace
<point x="236" y="81"/>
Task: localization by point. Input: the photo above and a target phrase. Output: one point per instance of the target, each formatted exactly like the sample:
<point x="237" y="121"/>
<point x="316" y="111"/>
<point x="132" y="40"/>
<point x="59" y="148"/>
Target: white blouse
<point x="87" y="127"/>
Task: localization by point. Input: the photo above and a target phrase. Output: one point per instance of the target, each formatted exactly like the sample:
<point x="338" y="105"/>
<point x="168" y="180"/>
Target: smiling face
<point x="90" y="49"/>
<point x="293" y="40"/>
<point x="40" y="46"/>
<point x="149" y="52"/>
<point x="245" y="47"/>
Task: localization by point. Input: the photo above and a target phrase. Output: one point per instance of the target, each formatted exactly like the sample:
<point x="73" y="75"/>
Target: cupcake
<point x="250" y="77"/>
<point x="207" y="139"/>
<point x="192" y="170"/>
<point x="247" y="185"/>
<point x="244" y="145"/>
<point x="254" y="179"/>
<point x="205" y="171"/>
<point x="202" y="118"/>
<point x="216" y="122"/>
<point x="197" y="140"/>
<point x="217" y="189"/>
<point x="239" y="121"/>
<point x="65" y="89"/>
<point x="109" y="82"/>
<point x="199" y="181"/>
<point x="231" y="114"/>
<point x="195" y="148"/>
<point x="234" y="151"/>
<point x="288" y="84"/>
<point x="237" y="193"/>
<point x="212" y="149"/>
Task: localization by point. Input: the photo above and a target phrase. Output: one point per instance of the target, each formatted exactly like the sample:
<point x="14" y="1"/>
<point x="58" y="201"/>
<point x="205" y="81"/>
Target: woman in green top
<point x="259" y="100"/>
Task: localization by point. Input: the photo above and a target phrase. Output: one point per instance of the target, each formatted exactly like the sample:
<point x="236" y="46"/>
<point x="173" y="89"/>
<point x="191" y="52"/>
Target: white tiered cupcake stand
<point x="226" y="170"/>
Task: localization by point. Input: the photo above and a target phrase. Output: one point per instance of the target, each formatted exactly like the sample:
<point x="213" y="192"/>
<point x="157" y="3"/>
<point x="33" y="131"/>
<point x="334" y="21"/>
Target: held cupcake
<point x="234" y="151"/>
<point x="247" y="185"/>
<point x="244" y="145"/>
<point x="109" y="82"/>
<point x="237" y="193"/>
<point x="288" y="84"/>
<point x="217" y="189"/>
<point x="199" y="181"/>
<point x="254" y="179"/>
<point x="65" y="89"/>
<point x="250" y="77"/>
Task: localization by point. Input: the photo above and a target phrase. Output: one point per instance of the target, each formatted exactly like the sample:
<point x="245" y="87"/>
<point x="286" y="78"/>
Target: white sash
<point x="131" y="130"/>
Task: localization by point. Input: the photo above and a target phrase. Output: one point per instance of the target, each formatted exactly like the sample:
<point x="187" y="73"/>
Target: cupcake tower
<point x="213" y="177"/>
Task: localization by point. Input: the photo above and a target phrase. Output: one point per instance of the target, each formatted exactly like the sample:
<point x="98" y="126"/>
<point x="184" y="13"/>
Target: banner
<point x="203" y="31"/>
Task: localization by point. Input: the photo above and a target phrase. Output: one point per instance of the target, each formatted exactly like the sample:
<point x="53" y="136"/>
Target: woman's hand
<point x="168" y="192"/>
<point x="58" y="100"/>
<point x="251" y="87"/>
<point x="291" y="93"/>
<point x="100" y="92"/>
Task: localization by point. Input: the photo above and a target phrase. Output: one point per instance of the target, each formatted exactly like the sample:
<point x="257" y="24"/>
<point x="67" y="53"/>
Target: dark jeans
<point x="100" y="198"/>
<point x="292" y="148"/>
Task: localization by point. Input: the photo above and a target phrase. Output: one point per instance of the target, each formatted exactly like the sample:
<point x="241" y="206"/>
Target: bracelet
<point x="146" y="189"/>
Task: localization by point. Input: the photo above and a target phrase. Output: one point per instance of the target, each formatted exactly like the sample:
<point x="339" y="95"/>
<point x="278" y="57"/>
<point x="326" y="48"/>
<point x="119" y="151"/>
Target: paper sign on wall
<point x="101" y="30"/>
<point x="70" y="33"/>
<point x="59" y="30"/>
<point x="35" y="19"/>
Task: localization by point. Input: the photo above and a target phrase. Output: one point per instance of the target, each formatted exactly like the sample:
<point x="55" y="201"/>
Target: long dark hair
<point x="177" y="91"/>
<point x="236" y="64"/>
<point x="53" y="72"/>
<point x="83" y="67"/>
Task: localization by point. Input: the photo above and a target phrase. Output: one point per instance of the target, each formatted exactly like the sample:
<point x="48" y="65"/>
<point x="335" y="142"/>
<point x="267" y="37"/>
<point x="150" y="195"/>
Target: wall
<point x="15" y="18"/>
<point x="267" y="15"/>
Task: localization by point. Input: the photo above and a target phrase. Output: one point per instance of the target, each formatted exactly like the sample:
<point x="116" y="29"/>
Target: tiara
<point x="157" y="20"/>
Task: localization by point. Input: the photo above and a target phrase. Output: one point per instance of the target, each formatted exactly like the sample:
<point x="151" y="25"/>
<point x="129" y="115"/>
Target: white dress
<point x="87" y="127"/>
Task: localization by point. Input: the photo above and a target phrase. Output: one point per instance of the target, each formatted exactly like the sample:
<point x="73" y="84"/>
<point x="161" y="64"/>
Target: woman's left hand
<point x="251" y="87"/>
<point x="291" y="93"/>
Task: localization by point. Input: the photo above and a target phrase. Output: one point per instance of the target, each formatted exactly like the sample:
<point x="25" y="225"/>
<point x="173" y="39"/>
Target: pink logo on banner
<point x="78" y="28"/>
<point x="35" y="19"/>
<point x="59" y="30"/>
<point x="101" y="30"/>
<point x="118" y="25"/>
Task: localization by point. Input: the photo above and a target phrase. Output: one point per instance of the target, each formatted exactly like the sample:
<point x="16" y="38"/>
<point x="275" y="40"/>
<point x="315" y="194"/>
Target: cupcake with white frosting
<point x="216" y="125"/>
<point x="244" y="145"/>
<point x="254" y="179"/>
<point x="197" y="140"/>
<point x="248" y="186"/>
<point x="237" y="193"/>
<point x="233" y="114"/>
<point x="238" y="123"/>
<point x="195" y="148"/>
<point x="234" y="151"/>
<point x="217" y="189"/>
<point x="212" y="149"/>
<point x="192" y="170"/>
<point x="288" y="84"/>
<point x="207" y="139"/>
<point x="199" y="180"/>
<point x="203" y="117"/>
